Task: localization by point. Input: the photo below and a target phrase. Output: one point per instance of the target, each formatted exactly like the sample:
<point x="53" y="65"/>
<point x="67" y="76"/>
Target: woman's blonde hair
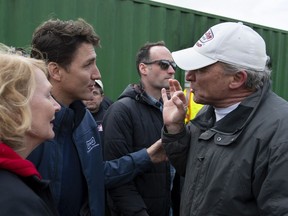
<point x="17" y="85"/>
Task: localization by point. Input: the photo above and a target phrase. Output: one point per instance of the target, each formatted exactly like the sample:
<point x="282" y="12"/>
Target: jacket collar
<point x="232" y="125"/>
<point x="137" y="92"/>
<point x="69" y="116"/>
<point x="10" y="160"/>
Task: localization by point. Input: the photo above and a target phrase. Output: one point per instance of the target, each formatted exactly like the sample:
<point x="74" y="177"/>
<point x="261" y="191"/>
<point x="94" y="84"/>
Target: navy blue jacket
<point x="73" y="162"/>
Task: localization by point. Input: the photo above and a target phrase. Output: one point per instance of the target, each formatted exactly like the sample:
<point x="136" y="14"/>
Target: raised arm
<point x="174" y="109"/>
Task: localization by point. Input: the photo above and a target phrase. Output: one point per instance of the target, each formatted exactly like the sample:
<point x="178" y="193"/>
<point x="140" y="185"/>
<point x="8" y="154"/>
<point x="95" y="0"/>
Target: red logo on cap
<point x="205" y="38"/>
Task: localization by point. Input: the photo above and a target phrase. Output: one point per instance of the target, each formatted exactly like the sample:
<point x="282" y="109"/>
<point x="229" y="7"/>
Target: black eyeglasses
<point x="164" y="64"/>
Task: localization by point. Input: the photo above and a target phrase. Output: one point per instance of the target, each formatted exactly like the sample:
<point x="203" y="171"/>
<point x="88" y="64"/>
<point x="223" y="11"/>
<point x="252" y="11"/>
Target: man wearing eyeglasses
<point x="134" y="122"/>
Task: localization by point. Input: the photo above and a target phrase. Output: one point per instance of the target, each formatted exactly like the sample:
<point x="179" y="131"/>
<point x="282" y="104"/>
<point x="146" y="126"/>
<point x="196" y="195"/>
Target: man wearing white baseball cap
<point x="234" y="154"/>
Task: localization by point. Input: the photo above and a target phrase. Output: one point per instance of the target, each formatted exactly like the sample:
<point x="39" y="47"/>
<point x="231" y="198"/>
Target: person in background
<point x="234" y="154"/>
<point x="192" y="107"/>
<point x="97" y="106"/>
<point x="73" y="159"/>
<point x="26" y="114"/>
<point x="134" y="122"/>
<point x="106" y="102"/>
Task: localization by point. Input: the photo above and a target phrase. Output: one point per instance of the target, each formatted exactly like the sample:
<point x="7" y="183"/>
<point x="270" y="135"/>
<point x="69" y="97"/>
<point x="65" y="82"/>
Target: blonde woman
<point x="26" y="115"/>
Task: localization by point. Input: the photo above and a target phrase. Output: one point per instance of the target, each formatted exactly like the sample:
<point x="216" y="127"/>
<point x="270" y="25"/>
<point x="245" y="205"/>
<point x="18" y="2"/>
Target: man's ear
<point x="54" y="71"/>
<point x="143" y="68"/>
<point x="238" y="80"/>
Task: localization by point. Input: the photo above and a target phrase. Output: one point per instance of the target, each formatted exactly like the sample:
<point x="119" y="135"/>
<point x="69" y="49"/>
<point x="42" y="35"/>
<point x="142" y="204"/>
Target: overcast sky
<point x="271" y="13"/>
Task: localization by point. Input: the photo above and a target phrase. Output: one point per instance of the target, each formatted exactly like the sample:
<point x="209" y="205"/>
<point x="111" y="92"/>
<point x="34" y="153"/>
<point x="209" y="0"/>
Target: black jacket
<point x="21" y="190"/>
<point x="134" y="122"/>
<point x="238" y="165"/>
<point x="24" y="196"/>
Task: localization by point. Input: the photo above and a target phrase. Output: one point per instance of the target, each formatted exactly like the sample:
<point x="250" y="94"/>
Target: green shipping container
<point x="124" y="26"/>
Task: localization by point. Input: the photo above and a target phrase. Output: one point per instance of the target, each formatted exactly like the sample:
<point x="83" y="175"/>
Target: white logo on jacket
<point x="91" y="143"/>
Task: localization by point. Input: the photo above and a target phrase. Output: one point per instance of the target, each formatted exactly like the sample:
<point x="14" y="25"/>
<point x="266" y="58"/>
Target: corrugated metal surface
<point x="125" y="25"/>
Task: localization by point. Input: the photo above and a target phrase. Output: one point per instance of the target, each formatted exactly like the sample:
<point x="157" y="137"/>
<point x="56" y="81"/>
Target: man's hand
<point x="174" y="109"/>
<point x="156" y="152"/>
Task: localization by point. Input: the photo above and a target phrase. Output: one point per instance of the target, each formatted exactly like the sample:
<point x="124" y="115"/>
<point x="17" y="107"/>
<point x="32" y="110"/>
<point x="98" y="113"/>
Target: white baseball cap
<point x="100" y="84"/>
<point x="229" y="42"/>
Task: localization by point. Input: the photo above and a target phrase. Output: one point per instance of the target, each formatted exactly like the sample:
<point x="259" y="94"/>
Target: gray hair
<point x="255" y="79"/>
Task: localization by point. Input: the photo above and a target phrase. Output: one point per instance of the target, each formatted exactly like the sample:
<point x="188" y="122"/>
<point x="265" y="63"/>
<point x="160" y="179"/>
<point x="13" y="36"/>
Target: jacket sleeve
<point x="270" y="184"/>
<point x="177" y="148"/>
<point x="118" y="142"/>
<point x="124" y="169"/>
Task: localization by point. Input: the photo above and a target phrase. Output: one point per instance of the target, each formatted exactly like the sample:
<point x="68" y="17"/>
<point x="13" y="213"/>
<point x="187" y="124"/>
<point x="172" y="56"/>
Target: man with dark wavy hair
<point x="73" y="159"/>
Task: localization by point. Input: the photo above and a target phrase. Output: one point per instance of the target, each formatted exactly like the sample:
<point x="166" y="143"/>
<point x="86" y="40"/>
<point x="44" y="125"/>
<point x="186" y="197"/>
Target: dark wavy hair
<point x="57" y="40"/>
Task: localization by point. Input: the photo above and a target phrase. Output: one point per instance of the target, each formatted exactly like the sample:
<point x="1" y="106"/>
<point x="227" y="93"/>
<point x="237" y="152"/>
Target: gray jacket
<point x="237" y="166"/>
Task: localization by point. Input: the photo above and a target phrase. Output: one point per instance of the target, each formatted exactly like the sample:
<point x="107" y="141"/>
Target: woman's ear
<point x="238" y="80"/>
<point x="54" y="71"/>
